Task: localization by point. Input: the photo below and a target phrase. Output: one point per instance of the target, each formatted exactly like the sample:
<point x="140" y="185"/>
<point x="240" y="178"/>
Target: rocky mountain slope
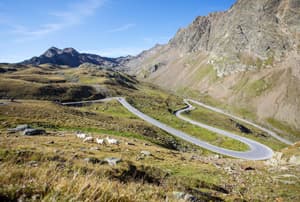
<point x="73" y="58"/>
<point x="246" y="57"/>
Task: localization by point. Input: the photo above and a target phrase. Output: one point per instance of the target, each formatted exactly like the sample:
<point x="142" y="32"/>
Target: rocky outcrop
<point x="33" y="132"/>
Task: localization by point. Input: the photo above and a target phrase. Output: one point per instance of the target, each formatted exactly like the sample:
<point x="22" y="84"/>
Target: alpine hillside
<point x="247" y="57"/>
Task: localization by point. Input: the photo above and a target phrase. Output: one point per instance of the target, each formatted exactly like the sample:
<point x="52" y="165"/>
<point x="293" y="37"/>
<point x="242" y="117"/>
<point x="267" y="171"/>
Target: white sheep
<point x="88" y="139"/>
<point x="81" y="135"/>
<point x="99" y="141"/>
<point x="111" y="141"/>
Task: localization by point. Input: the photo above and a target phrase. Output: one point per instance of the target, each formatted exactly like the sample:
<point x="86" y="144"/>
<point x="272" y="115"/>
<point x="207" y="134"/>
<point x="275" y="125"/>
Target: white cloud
<point x="78" y="11"/>
<point x="74" y="15"/>
<point x="122" y="28"/>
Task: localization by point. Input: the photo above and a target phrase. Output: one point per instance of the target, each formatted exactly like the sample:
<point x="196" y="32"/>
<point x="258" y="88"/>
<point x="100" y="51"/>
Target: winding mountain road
<point x="257" y="151"/>
<point x="273" y="134"/>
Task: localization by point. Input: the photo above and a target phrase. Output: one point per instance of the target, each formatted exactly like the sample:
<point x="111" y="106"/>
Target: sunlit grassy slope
<point x="54" y="167"/>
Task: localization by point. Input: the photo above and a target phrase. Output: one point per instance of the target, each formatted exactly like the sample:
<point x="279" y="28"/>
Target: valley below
<point x="213" y="114"/>
<point x="154" y="165"/>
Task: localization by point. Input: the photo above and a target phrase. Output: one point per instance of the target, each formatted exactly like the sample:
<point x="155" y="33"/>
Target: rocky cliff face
<point x="247" y="56"/>
<point x="257" y="26"/>
<point x="72" y="58"/>
<point x="249" y="35"/>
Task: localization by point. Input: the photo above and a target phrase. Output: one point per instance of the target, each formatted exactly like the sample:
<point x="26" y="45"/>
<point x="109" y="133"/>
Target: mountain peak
<point x="56" y="51"/>
<point x="52" y="51"/>
<point x="71" y="57"/>
<point x="71" y="51"/>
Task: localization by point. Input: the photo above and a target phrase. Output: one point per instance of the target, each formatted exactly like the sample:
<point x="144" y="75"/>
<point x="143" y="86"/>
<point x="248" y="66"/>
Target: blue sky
<point x="106" y="27"/>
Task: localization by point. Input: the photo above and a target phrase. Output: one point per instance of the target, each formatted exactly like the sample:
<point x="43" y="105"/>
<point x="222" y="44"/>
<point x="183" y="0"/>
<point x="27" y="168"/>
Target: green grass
<point x="223" y="122"/>
<point x="291" y="132"/>
<point x="269" y="60"/>
<point x="161" y="107"/>
<point x="51" y="116"/>
<point x="257" y="87"/>
<point x="112" y="108"/>
<point x="205" y="71"/>
<point x="250" y="60"/>
<point x="240" y="85"/>
<point x="246" y="113"/>
<point x="92" y="80"/>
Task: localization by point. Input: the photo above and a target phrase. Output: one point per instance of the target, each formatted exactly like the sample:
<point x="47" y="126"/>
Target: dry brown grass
<point x="52" y="167"/>
<point x="32" y="167"/>
<point x="48" y="183"/>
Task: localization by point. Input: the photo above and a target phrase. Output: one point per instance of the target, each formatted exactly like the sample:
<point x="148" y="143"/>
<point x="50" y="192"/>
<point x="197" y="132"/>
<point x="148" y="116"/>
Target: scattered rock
<point x="19" y="128"/>
<point x="195" y="157"/>
<point x="249" y="168"/>
<point x="57" y="158"/>
<point x="93" y="160"/>
<point x="243" y="129"/>
<point x="36" y="197"/>
<point x="32" y="132"/>
<point x="100" y="141"/>
<point x="112" y="161"/>
<point x="81" y="135"/>
<point x="95" y="148"/>
<point x="276" y="160"/>
<point x="287" y="178"/>
<point x="190" y="198"/>
<point x="229" y="169"/>
<point x="88" y="139"/>
<point x="284" y="168"/>
<point x="33" y="163"/>
<point x="184" y="196"/>
<point x="56" y="151"/>
<point x="178" y="195"/>
<point x="146" y="153"/>
<point x="295" y="160"/>
<point x="75" y="156"/>
<point x="112" y="141"/>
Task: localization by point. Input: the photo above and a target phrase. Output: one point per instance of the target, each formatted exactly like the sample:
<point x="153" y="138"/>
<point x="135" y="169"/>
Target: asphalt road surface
<point x="257" y="151"/>
<point x="273" y="134"/>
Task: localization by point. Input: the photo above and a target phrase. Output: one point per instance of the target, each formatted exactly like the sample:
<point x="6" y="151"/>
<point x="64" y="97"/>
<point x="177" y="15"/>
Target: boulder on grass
<point x="146" y="153"/>
<point x="112" y="161"/>
<point x="19" y="128"/>
<point x="33" y="132"/>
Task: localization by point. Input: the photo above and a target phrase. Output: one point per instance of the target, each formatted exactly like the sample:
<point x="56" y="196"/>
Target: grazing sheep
<point x="88" y="139"/>
<point x="111" y="141"/>
<point x="81" y="135"/>
<point x="99" y="141"/>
